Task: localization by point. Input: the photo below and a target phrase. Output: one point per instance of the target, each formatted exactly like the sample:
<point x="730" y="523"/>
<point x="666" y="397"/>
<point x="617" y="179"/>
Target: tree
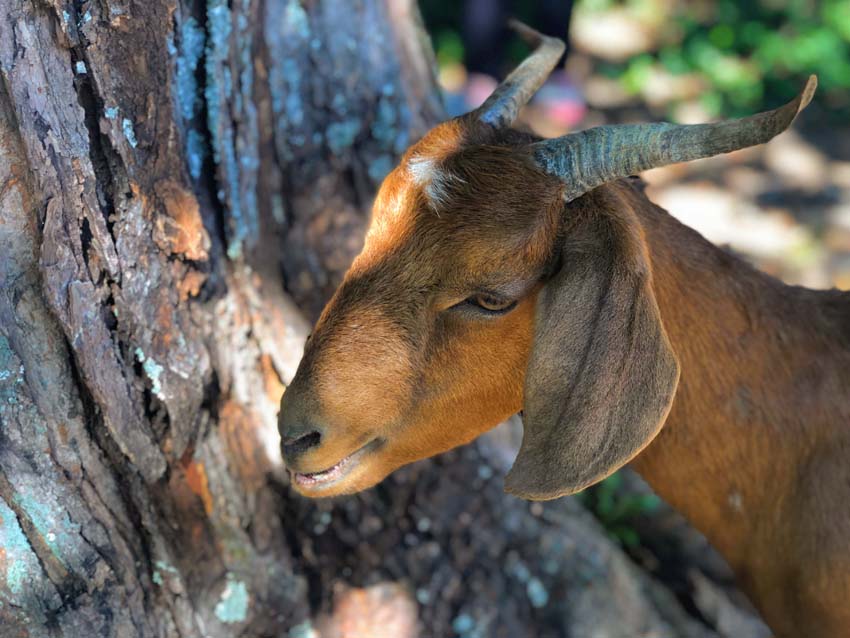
<point x="178" y="179"/>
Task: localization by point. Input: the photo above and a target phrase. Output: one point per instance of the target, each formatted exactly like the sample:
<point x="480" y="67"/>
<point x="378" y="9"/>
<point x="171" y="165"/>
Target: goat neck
<point x="755" y="446"/>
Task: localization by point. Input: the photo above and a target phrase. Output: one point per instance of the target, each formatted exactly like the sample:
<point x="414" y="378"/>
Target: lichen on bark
<point x="163" y="215"/>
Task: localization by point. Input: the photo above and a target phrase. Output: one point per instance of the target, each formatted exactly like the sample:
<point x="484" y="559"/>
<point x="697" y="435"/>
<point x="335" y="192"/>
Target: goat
<point x="504" y="273"/>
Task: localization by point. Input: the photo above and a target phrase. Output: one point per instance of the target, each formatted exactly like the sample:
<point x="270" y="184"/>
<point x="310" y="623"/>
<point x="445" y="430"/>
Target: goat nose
<point x="297" y="442"/>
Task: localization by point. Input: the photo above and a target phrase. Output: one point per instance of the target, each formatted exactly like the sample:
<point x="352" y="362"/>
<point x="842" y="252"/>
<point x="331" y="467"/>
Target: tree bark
<point x="177" y="179"/>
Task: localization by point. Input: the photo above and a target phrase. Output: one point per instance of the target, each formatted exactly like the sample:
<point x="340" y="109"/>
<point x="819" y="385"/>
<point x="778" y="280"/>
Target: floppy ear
<point x="601" y="375"/>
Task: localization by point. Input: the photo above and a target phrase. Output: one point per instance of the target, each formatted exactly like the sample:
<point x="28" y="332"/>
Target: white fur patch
<point x="421" y="169"/>
<point x="434" y="180"/>
<point x="735" y="501"/>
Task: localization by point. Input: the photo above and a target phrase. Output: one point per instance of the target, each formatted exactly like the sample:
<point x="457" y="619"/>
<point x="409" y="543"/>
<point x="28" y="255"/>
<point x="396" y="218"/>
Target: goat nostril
<point x="293" y="446"/>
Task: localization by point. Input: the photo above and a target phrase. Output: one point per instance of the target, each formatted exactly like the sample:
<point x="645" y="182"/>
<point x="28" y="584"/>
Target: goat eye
<point x="492" y="304"/>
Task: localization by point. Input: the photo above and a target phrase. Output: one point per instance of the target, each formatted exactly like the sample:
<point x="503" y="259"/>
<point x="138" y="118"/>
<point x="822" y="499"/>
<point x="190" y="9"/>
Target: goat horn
<point x="501" y="108"/>
<point x="590" y="158"/>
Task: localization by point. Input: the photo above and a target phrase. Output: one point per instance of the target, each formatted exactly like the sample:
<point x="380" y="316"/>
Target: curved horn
<point x="501" y="108"/>
<point x="590" y="158"/>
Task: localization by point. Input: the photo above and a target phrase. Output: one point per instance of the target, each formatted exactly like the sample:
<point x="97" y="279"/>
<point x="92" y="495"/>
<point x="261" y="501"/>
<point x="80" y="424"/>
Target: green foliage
<point x="616" y="508"/>
<point x="749" y="53"/>
<point x="448" y="47"/>
<point x="443" y="19"/>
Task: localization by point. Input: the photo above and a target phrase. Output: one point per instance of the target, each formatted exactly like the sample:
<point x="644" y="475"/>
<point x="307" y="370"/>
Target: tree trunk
<point x="178" y="178"/>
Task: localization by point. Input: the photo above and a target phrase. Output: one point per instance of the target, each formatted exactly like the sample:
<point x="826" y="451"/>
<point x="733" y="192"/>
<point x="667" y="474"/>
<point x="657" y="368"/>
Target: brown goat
<point x="503" y="273"/>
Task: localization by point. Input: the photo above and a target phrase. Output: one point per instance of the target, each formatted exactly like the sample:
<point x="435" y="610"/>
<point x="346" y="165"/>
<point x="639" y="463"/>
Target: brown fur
<point x="756" y="447"/>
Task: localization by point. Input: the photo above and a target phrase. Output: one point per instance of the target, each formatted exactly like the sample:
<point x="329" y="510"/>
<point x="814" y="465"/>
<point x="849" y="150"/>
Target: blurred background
<point x="786" y="205"/>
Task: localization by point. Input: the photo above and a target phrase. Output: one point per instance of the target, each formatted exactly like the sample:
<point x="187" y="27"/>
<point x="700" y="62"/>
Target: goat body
<point x="756" y="448"/>
<point x="503" y="273"/>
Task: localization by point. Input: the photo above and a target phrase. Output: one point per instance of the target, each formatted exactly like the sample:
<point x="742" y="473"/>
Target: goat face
<point x="425" y="344"/>
<point x="488" y="284"/>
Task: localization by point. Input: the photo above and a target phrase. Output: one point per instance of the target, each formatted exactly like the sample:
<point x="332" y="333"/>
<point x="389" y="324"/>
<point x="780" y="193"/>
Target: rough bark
<point x="173" y="176"/>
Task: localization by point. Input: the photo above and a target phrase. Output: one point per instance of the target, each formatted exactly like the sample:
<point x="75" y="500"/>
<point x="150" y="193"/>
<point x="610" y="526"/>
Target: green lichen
<point x="217" y="49"/>
<point x="6" y="353"/>
<point x="51" y="521"/>
<point x="196" y="151"/>
<point x="278" y="209"/>
<point x="289" y="31"/>
<point x="11" y="374"/>
<point x="537" y="593"/>
<point x="384" y="126"/>
<point x="20" y="560"/>
<point x="232" y="607"/>
<point x="129" y="132"/>
<point x="303" y="630"/>
<point x="162" y="565"/>
<point x="464" y="623"/>
<point x="234" y="150"/>
<point x="296" y="19"/>
<point x="192" y="42"/>
<point x="153" y="371"/>
<point x="289" y="100"/>
<point x="190" y="51"/>
<point x="341" y="135"/>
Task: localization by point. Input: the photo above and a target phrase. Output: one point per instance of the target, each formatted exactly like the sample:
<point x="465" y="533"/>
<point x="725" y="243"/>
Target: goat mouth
<point x="337" y="471"/>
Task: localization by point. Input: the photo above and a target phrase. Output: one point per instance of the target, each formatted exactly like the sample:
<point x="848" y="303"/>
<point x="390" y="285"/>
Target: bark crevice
<point x="158" y="214"/>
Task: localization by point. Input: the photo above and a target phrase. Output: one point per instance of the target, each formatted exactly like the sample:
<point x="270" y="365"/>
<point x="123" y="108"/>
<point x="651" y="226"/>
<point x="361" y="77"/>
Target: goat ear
<point x="602" y="374"/>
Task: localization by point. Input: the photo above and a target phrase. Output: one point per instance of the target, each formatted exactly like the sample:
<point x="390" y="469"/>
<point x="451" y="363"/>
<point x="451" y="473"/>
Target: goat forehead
<point x="456" y="250"/>
<point x="436" y="214"/>
<point x="444" y="211"/>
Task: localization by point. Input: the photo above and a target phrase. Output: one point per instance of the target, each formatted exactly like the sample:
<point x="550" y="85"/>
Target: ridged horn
<point x="501" y="108"/>
<point x="590" y="158"/>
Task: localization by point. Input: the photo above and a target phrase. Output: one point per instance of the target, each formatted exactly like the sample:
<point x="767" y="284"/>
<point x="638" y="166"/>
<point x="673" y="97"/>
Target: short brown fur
<point x="754" y="374"/>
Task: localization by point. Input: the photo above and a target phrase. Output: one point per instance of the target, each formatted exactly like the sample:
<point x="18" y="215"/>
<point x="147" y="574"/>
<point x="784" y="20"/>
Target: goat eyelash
<point x="474" y="303"/>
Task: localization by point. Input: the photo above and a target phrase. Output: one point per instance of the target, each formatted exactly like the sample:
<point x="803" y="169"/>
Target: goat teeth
<point x="335" y="471"/>
<point x="318" y="477"/>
